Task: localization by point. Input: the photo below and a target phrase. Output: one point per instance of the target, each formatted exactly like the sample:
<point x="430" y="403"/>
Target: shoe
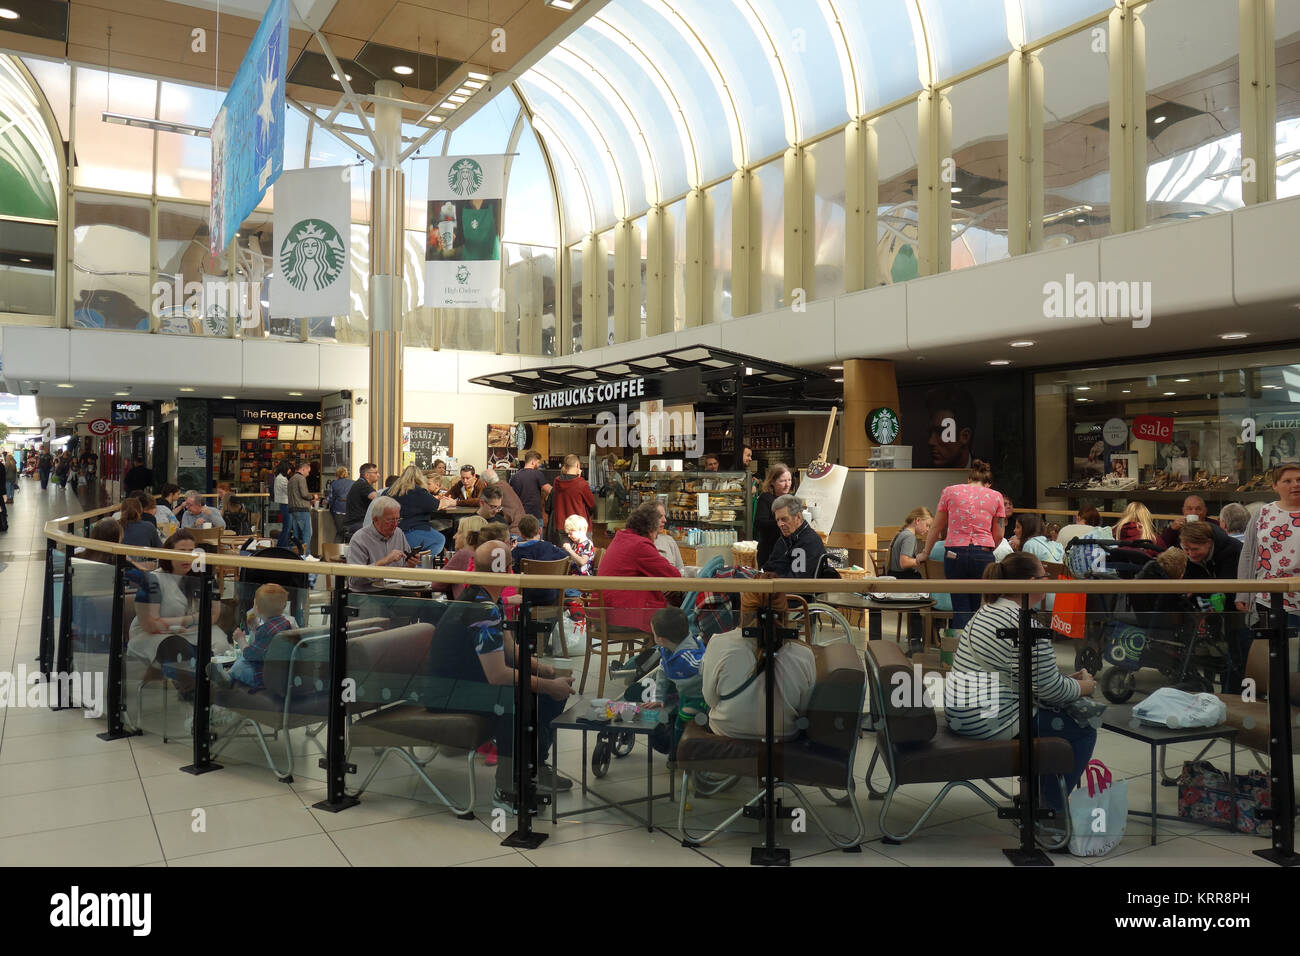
<point x="548" y="779"/>
<point x="219" y="676"/>
<point x="489" y="752"/>
<point x="622" y="669"/>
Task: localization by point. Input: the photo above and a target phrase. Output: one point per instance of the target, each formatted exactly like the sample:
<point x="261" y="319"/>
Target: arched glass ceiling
<point x="650" y="98"/>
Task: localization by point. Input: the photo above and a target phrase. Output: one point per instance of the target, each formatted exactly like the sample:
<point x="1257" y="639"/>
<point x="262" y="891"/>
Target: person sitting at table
<point x="491" y="506"/>
<point x="533" y="548"/>
<point x="465" y="541"/>
<point x="512" y="509"/>
<point x="379" y="543"/>
<point x="1085" y="521"/>
<point x="984" y="710"/>
<point x="800" y="552"/>
<point x="269" y="603"/>
<point x="905" y="555"/>
<point x="779" y="482"/>
<point x="472" y="669"/>
<point x="469" y="489"/>
<point x="734" y="685"/>
<point x="136" y="530"/>
<point x="166" y="605"/>
<point x="665" y="543"/>
<point x="632" y="554"/>
<point x="195" y="514"/>
<point x="418" y="508"/>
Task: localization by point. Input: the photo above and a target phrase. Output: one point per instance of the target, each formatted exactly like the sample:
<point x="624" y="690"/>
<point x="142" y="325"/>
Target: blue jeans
<point x="283" y="540"/>
<point x="426" y="538"/>
<point x="300" y="526"/>
<point x="968" y="564"/>
<point x="246" y="673"/>
<point x="1082" y="741"/>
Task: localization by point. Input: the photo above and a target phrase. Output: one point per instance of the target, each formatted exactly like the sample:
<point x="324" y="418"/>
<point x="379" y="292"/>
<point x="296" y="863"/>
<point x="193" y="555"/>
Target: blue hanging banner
<point x="248" y="133"/>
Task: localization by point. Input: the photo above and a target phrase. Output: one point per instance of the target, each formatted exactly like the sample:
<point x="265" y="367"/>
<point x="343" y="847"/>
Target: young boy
<point x="679" y="682"/>
<point x="268" y="605"/>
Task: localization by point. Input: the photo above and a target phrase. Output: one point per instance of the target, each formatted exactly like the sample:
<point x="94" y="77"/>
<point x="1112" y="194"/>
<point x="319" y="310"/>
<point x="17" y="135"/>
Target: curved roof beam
<point x="789" y="106"/>
<point x="589" y="126"/>
<point x="614" y="100"/>
<point x="606" y="29"/>
<point x="526" y="115"/>
<point x="854" y="92"/>
<point x="553" y="141"/>
<point x="739" y="146"/>
<point x="927" y="70"/>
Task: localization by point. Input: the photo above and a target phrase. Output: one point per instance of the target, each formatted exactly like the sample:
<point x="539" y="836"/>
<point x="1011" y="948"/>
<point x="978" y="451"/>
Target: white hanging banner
<point x="313" y="209"/>
<point x="462" y="253"/>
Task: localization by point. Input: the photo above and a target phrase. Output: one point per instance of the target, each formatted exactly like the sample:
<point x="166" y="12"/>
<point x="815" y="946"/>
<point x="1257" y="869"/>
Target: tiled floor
<point x="68" y="798"/>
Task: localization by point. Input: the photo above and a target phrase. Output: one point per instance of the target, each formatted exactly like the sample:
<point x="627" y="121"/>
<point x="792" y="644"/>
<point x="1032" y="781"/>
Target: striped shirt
<point x="981" y="693"/>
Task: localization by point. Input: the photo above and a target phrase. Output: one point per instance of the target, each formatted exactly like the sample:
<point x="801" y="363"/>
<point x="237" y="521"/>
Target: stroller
<point x="1102" y="559"/>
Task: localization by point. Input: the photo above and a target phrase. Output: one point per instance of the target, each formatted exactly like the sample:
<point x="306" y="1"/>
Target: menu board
<point x="422" y="443"/>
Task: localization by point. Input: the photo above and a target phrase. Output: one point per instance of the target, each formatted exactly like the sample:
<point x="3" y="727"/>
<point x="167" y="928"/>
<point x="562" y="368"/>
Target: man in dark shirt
<point x="359" y="496"/>
<point x="138" y="478"/>
<point x="530" y="484"/>
<point x="45" y="464"/>
<point x="533" y="548"/>
<point x="800" y="552"/>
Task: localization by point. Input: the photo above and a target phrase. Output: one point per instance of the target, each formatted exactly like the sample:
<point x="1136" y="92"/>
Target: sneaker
<point x="622" y="669"/>
<point x="219" y="676"/>
<point x="548" y="779"/>
<point x="489" y="752"/>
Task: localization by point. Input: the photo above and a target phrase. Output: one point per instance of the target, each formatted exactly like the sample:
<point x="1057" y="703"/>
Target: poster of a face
<point x="1280" y="446"/>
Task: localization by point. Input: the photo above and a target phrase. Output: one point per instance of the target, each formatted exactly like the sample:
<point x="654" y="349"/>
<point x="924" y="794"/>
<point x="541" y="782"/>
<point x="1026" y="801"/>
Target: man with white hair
<point x="194" y="512"/>
<point x="379" y="543"/>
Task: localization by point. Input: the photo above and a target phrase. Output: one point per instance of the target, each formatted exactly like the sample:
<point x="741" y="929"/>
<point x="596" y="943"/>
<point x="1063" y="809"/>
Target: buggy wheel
<point x="624" y="741"/>
<point x="1088" y="658"/>
<point x="600" y="757"/>
<point x="1117" y="685"/>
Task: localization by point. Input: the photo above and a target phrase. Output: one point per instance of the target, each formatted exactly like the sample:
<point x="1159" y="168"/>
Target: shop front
<point x="1159" y="431"/>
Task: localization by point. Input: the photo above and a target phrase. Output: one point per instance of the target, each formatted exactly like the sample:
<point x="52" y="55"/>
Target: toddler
<point x="268" y="605"/>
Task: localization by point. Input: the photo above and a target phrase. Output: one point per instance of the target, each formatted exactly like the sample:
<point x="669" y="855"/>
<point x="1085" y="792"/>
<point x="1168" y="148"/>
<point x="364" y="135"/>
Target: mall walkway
<point x="69" y="798"/>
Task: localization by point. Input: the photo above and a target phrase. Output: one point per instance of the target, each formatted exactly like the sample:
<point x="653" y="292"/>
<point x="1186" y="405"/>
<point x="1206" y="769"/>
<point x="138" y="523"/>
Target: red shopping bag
<point x="1069" y="615"/>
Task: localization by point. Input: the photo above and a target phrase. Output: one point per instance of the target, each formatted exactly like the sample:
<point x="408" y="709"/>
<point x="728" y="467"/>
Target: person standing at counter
<point x="530" y="484"/>
<point x="970" y="519"/>
<point x="571" y="495"/>
<point x="779" y="482"/>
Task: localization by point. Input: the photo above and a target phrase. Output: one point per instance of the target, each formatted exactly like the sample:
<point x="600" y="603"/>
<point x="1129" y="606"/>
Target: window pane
<point x="110" y="254"/>
<point x="1288" y="100"/>
<point x="897" y="235"/>
<point x="811" y="63"/>
<point x="638" y="330"/>
<point x="675" y="220"/>
<point x="417" y="325"/>
<point x="55" y="81"/>
<point x="884" y="51"/>
<point x="355" y="326"/>
<point x="192" y="289"/>
<point x="769" y="180"/>
<point x="185" y="162"/>
<point x="530" y="201"/>
<point x="825" y="160"/>
<point x="417" y="179"/>
<point x="530" y="299"/>
<point x="979" y="148"/>
<point x="29" y="161"/>
<point x="1193" y="121"/>
<point x="607" y="244"/>
<point x="108" y="155"/>
<point x="1044" y="17"/>
<point x="488" y="130"/>
<point x="328" y="150"/>
<point x="965" y="33"/>
<point x="1076" y="141"/>
<point x="720" y="206"/>
<point x="27" y="279"/>
<point x="575" y="285"/>
<point x="573" y="190"/>
<point x="585" y="147"/>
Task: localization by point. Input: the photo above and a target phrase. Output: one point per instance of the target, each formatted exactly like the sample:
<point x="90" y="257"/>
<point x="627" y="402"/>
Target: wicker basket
<point x="854" y="574"/>
<point x="744" y="557"/>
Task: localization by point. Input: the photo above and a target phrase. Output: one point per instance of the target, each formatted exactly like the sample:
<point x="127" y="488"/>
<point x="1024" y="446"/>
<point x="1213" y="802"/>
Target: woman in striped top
<point x="981" y="693"/>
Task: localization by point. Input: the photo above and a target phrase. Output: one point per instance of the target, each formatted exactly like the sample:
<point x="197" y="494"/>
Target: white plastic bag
<point x="1098" y="818"/>
<point x="1168" y="707"/>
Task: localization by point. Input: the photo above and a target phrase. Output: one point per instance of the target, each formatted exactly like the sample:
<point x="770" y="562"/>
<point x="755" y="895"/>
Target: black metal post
<point x="525" y="748"/>
<point x="63" y="657"/>
<point x="336" y="745"/>
<point x="1026" y="804"/>
<point x="202" y="685"/>
<point x="769" y="854"/>
<point x="738" y="421"/>
<point x="116" y="696"/>
<point x="1281" y="772"/>
<point x="46" y="652"/>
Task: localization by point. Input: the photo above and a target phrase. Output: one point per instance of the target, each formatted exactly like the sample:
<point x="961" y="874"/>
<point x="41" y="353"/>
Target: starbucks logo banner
<point x="882" y="426"/>
<point x="462" y="257"/>
<point x="312" y="225"/>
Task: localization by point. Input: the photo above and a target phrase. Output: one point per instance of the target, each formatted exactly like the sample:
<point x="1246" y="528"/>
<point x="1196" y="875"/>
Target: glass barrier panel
<point x="92" y="626"/>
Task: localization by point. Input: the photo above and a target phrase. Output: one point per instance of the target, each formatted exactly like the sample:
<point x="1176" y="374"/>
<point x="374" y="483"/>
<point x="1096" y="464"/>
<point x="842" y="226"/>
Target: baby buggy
<point x="1102" y="559"/>
<point x="1187" y="646"/>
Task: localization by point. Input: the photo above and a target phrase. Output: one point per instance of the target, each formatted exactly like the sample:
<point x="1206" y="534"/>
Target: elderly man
<point x="800" y="552"/>
<point x="379" y="543"/>
<point x="1193" y="510"/>
<point x="194" y="513"/>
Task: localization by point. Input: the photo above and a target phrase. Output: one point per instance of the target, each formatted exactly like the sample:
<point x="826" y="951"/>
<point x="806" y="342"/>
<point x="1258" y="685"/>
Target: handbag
<point x="1098" y="819"/>
<point x="1205" y="793"/>
<point x="1168" y="707"/>
<point x="1069" y="615"/>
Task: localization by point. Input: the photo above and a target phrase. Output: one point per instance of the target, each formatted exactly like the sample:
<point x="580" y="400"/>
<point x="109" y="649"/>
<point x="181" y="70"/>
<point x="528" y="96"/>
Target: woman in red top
<point x="632" y="554"/>
<point x="570" y="495"/>
<point x="969" y="520"/>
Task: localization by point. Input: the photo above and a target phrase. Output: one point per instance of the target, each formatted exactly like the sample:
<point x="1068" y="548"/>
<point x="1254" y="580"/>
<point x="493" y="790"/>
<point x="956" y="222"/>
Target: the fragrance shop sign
<point x="277" y="413"/>
<point x="604" y="393"/>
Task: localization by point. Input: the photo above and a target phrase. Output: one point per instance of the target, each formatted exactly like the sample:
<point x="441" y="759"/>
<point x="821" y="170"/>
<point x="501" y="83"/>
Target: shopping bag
<point x="1168" y="707"/>
<point x="1098" y="817"/>
<point x="1205" y="793"/>
<point x="1069" y="615"/>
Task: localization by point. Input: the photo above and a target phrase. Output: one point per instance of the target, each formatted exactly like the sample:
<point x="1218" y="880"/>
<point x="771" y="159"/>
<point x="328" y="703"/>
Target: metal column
<point x="387" y="222"/>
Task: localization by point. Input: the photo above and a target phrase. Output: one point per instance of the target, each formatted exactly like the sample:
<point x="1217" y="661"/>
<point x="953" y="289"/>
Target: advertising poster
<point x="462" y="259"/>
<point x="312" y="226"/>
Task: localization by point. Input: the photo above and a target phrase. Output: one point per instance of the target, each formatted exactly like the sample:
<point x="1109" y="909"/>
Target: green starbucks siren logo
<point x="882" y="426"/>
<point x="312" y="255"/>
<point x="465" y="177"/>
<point x="462" y="274"/>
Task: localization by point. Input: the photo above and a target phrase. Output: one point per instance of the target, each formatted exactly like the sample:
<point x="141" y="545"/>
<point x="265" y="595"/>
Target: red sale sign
<point x="1153" y="428"/>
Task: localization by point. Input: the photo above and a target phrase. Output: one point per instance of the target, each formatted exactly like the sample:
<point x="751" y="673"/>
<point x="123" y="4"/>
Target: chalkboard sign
<point x="423" y="442"/>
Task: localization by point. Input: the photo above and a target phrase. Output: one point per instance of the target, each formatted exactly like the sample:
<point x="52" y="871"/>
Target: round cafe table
<point x="864" y="602"/>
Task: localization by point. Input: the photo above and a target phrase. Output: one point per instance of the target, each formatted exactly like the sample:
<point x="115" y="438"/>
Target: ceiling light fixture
<point x="1171" y="393"/>
<point x="162" y="126"/>
<point x="403" y="70"/>
<point x="66" y="385"/>
<point x="1182" y="381"/>
<point x="121" y="394"/>
<point x="565" y="5"/>
<point x="187" y="388"/>
<point x="1083" y="388"/>
<point x="1233" y="336"/>
<point x="999" y="361"/>
<point x="335" y="77"/>
<point x="955" y="189"/>
<point x="7" y="14"/>
<point x="474" y="75"/>
<point x="840" y="380"/>
<point x="24" y="259"/>
<point x="1023" y="344"/>
<point x="835" y="368"/>
<point x="295" y="393"/>
<point x="1159" y="119"/>
<point x="228" y="397"/>
<point x="1126" y="391"/>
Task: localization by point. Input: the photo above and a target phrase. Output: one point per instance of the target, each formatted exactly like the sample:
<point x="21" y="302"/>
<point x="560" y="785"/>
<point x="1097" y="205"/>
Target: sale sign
<point x="1153" y="428"/>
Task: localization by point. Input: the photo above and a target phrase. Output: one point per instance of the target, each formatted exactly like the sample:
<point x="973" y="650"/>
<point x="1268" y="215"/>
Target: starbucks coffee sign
<point x="882" y="426"/>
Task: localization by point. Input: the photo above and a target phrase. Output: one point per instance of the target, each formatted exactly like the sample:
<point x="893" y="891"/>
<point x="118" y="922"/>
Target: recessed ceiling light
<point x="838" y="380"/>
<point x="7" y="14"/>
<point x="228" y="397"/>
<point x="335" y="77"/>
<point x="66" y="385"/>
<point x="453" y="98"/>
<point x="24" y="260"/>
<point x="1171" y="393"/>
<point x="472" y="84"/>
<point x="473" y="75"/>
<point x="1023" y="344"/>
<point x="1272" y="386"/>
<point x="295" y="393"/>
<point x="1233" y="336"/>
<point x="1125" y="391"/>
<point x="562" y="4"/>
<point x="403" y="70"/>
<point x="999" y="361"/>
<point x="1084" y="400"/>
<point x="121" y="394"/>
<point x="955" y="189"/>
<point x="955" y="202"/>
<point x="1159" y="119"/>
<point x="1182" y="381"/>
<point x="835" y="368"/>
<point x="187" y="388"/>
<point x="1083" y="388"/>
